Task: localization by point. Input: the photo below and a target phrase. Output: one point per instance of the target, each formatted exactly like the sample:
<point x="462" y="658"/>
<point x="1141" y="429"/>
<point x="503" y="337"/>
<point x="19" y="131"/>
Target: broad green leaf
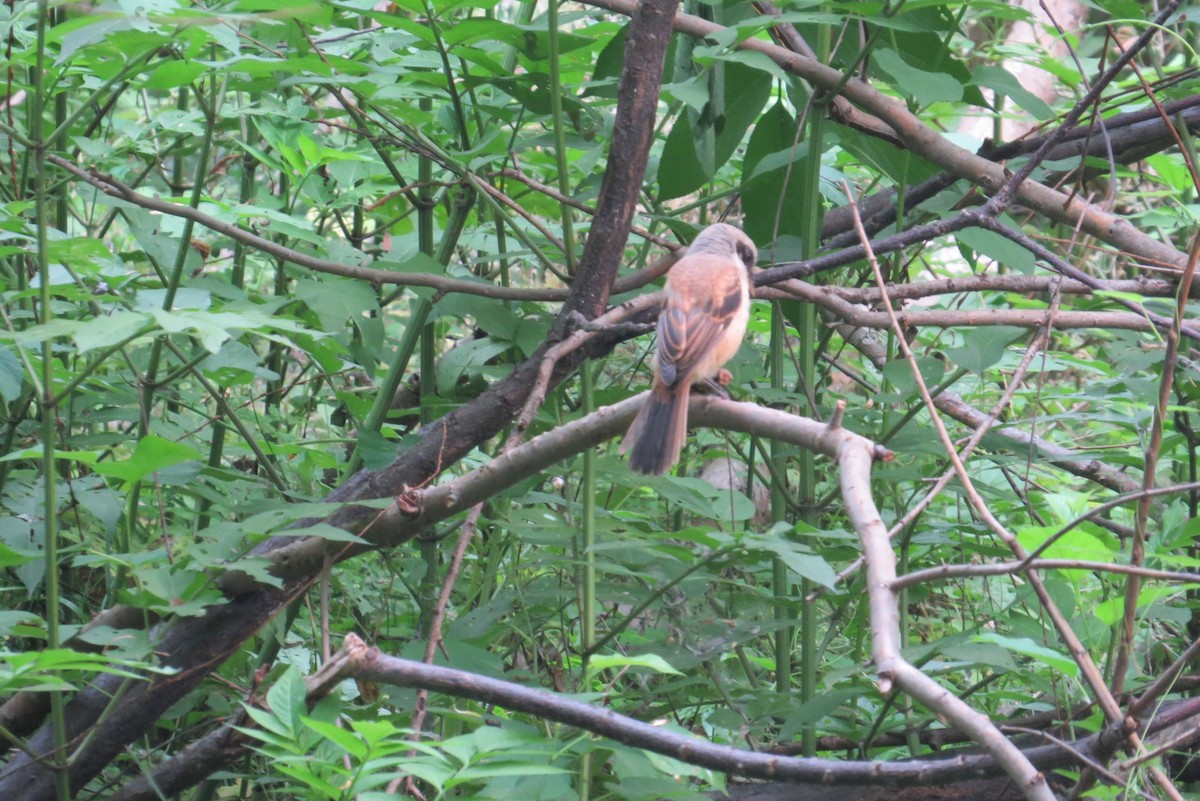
<point x="346" y="740"/>
<point x="995" y="246"/>
<point x="798" y="558"/>
<point x="12" y="375"/>
<point x="287" y="698"/>
<point x="101" y="332"/>
<point x="462" y="358"/>
<point x="36" y="334"/>
<point x="1112" y="610"/>
<point x="185" y="297"/>
<point x="722" y="104"/>
<point x="680" y="170"/>
<point x="1003" y="82"/>
<point x="35" y="452"/>
<point x="24" y="538"/>
<point x="150" y="454"/>
<point x="774" y="203"/>
<point x="925" y="87"/>
<point x="12" y="558"/>
<point x="174" y="73"/>
<point x="1075" y="544"/>
<point x="213" y="329"/>
<point x="172" y="590"/>
<point x="132" y="644"/>
<point x="10" y="619"/>
<point x="984" y="346"/>
<point x="326" y="532"/>
<point x="980" y="653"/>
<point x="338" y="301"/>
<point x="693" y="92"/>
<point x="1027" y="647"/>
<point x="899" y="374"/>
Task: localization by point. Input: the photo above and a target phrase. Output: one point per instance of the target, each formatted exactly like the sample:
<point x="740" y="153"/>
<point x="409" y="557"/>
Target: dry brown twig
<point x="580" y="337"/>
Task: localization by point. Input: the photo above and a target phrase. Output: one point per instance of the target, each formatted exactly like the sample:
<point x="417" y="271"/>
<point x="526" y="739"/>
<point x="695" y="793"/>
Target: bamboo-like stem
<point x="49" y="411"/>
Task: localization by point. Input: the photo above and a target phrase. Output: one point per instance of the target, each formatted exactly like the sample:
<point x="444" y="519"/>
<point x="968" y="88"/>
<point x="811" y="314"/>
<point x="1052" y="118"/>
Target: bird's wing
<point x="702" y="300"/>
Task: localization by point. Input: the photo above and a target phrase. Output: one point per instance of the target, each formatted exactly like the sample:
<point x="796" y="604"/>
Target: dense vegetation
<point x="297" y="344"/>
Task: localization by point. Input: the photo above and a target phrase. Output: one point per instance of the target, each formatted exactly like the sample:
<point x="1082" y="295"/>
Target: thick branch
<point x="645" y="47"/>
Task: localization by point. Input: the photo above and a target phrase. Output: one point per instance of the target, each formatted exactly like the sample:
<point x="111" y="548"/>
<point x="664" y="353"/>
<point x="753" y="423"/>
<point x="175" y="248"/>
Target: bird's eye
<point x="746" y="254"/>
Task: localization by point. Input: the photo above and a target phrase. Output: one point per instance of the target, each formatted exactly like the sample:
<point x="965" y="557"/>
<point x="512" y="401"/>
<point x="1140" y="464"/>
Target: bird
<point x="700" y="327"/>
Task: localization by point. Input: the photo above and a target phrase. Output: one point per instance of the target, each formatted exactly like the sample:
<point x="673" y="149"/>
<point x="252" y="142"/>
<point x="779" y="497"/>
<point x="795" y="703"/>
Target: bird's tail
<point x="658" y="432"/>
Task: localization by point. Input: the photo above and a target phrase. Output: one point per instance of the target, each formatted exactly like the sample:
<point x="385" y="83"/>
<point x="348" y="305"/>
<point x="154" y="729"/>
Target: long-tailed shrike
<point x="700" y="327"/>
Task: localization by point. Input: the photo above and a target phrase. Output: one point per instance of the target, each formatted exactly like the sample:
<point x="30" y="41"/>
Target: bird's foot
<point x="710" y="387"/>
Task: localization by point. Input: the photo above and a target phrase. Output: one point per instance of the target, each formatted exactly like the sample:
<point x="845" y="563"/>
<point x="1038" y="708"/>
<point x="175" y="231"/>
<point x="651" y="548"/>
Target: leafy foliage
<point x="252" y="247"/>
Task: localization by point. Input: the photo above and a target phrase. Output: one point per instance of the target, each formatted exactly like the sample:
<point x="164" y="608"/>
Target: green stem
<point x="95" y="364"/>
<point x="425" y="201"/>
<point x="90" y="102"/>
<point x="560" y="136"/>
<point x="780" y="594"/>
<point x="408" y="344"/>
<point x="149" y="383"/>
<point x="460" y="116"/>
<point x="216" y="446"/>
<point x="810" y="338"/>
<point x="587" y="605"/>
<point x="49" y="410"/>
<point x="659" y="591"/>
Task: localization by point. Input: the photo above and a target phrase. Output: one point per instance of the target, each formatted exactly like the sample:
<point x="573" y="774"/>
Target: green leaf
<point x="347" y="741"/>
<point x="151" y="453"/>
<point x="158" y="237"/>
<point x="36" y="334"/>
<point x="925" y="87"/>
<point x="774" y="202"/>
<point x="699" y="497"/>
<point x="1003" y="82"/>
<point x="1027" y="647"/>
<point x="12" y="376"/>
<point x="679" y="169"/>
<point x="722" y="104"/>
<point x="797" y="557"/>
<point x="12" y="558"/>
<point x="760" y="63"/>
<point x="11" y="619"/>
<point x="899" y="374"/>
<point x="326" y="532"/>
<point x="980" y="653"/>
<point x="463" y="358"/>
<point x="1075" y="544"/>
<point x="652" y="661"/>
<point x="376" y="450"/>
<point x="174" y="590"/>
<point x="984" y="346"/>
<point x="693" y="92"/>
<point x="213" y="329"/>
<point x="1112" y="610"/>
<point x="337" y="301"/>
<point x="174" y="73"/>
<point x="185" y="297"/>
<point x="995" y="246"/>
<point x="101" y="332"/>
<point x="132" y="644"/>
<point x="23" y="537"/>
<point x="287" y="698"/>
